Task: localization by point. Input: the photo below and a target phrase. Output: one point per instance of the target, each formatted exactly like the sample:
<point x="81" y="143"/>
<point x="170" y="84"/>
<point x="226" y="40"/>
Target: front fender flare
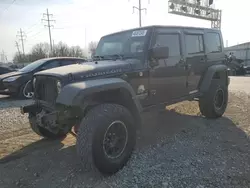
<point x="73" y="94"/>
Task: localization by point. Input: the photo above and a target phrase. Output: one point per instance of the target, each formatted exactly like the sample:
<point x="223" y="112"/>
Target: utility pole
<point x="21" y="36"/>
<point x="85" y="38"/>
<point x="139" y="9"/>
<point x="18" y="49"/>
<point x="3" y="57"/>
<point x="48" y="20"/>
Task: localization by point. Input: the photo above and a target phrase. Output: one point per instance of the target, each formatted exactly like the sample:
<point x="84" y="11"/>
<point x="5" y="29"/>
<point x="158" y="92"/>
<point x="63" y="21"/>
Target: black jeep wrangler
<point x="131" y="72"/>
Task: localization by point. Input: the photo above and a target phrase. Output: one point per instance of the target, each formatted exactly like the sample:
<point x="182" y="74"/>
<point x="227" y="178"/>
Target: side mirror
<point x="159" y="52"/>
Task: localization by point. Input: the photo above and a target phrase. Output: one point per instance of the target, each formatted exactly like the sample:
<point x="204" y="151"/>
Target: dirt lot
<point x="177" y="148"/>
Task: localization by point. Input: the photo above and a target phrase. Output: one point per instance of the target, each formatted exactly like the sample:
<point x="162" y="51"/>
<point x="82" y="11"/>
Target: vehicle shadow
<point x="40" y="144"/>
<point x="47" y="158"/>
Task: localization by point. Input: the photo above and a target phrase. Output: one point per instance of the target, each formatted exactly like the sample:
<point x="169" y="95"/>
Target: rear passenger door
<point x="195" y="57"/>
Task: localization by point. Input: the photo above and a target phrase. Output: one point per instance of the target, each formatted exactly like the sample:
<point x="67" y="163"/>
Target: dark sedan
<point x="4" y="70"/>
<point x="18" y="83"/>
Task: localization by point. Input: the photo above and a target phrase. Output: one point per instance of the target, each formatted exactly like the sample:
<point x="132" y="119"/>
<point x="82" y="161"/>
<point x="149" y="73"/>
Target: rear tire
<point x="42" y="131"/>
<point x="95" y="137"/>
<point x="214" y="103"/>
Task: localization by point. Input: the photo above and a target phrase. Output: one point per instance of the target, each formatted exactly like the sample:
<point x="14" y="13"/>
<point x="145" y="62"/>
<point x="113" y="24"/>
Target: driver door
<point x="168" y="76"/>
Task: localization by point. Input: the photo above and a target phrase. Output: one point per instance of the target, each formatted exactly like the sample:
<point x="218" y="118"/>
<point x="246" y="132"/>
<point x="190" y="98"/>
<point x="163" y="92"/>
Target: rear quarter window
<point x="213" y="42"/>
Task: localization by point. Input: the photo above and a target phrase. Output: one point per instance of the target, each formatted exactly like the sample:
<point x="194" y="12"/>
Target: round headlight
<point x="59" y="86"/>
<point x="34" y="82"/>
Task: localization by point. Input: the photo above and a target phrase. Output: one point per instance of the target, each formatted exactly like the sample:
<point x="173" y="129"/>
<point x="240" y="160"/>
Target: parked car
<point x="18" y="83"/>
<point x="235" y="66"/>
<point x="133" y="71"/>
<point x="4" y="70"/>
<point x="247" y="69"/>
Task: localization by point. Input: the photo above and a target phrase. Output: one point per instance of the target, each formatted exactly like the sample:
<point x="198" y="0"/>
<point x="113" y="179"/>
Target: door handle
<point x="182" y="63"/>
<point x="202" y="60"/>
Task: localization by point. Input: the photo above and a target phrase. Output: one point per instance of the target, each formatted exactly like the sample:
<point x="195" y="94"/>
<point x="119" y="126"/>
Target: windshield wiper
<point x="98" y="57"/>
<point x="117" y="55"/>
<point x="109" y="57"/>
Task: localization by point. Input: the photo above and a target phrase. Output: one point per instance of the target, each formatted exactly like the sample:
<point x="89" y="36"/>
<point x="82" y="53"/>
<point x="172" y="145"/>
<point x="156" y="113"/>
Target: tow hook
<point x="29" y="108"/>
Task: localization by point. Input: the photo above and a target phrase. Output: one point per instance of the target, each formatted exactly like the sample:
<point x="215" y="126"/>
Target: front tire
<point x="25" y="91"/>
<point x="106" y="138"/>
<point x="214" y="103"/>
<point x="42" y="131"/>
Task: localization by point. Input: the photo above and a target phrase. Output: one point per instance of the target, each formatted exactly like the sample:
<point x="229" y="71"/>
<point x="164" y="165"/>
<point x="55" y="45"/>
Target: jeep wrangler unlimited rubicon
<point x="131" y="71"/>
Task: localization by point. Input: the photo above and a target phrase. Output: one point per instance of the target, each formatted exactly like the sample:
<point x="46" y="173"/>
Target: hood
<point x="89" y="69"/>
<point x="10" y="74"/>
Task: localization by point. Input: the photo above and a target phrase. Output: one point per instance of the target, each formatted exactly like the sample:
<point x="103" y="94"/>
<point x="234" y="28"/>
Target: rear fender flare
<point x="208" y="77"/>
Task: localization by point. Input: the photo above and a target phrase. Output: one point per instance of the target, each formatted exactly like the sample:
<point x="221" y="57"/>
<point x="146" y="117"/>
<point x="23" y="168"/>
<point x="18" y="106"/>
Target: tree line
<point x="42" y="50"/>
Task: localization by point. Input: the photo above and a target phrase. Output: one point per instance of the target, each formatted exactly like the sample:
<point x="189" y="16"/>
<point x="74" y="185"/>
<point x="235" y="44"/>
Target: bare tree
<point x="17" y="58"/>
<point x="42" y="50"/>
<point x="21" y="59"/>
<point x="92" y="48"/>
<point x="61" y="49"/>
<point x="39" y="51"/>
<point x="76" y="51"/>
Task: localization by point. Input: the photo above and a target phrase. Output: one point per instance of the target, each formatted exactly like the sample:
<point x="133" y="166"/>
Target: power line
<point x="21" y="35"/>
<point x="39" y="32"/>
<point x="48" y="20"/>
<point x="140" y="9"/>
<point x="29" y="30"/>
<point x="8" y="7"/>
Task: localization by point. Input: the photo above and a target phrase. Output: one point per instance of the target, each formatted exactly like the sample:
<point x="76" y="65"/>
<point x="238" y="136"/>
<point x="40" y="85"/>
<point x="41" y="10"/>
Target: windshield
<point x="128" y="43"/>
<point x="32" y="66"/>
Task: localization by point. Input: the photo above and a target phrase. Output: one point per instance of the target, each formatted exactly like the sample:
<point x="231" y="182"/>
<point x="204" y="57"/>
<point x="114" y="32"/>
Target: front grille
<point x="46" y="89"/>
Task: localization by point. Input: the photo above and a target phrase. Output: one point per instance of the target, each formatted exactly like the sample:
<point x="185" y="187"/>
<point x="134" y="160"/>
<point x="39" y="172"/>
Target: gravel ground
<point x="176" y="148"/>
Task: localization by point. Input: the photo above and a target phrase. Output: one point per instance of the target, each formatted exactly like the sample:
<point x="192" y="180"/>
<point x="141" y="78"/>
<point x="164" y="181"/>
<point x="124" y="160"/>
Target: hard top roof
<point x="164" y="26"/>
<point x="54" y="58"/>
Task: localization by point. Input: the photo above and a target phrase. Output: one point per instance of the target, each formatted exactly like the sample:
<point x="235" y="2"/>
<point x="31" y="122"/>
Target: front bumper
<point x="9" y="88"/>
<point x="5" y="92"/>
<point x="37" y="106"/>
<point x="49" y="119"/>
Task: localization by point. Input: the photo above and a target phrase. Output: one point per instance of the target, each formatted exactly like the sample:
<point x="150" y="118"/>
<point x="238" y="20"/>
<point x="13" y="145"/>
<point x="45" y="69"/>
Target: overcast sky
<point x="101" y="17"/>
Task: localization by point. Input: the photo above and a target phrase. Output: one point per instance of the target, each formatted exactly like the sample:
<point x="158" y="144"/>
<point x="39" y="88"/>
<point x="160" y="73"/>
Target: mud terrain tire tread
<point x="206" y="103"/>
<point x="90" y="135"/>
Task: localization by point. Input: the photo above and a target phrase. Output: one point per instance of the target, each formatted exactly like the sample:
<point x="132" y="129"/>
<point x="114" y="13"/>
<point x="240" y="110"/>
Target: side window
<point x="172" y="41"/>
<point x="136" y="46"/>
<point x="213" y="43"/>
<point x="194" y="43"/>
<point x="51" y="64"/>
<point x="68" y="62"/>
